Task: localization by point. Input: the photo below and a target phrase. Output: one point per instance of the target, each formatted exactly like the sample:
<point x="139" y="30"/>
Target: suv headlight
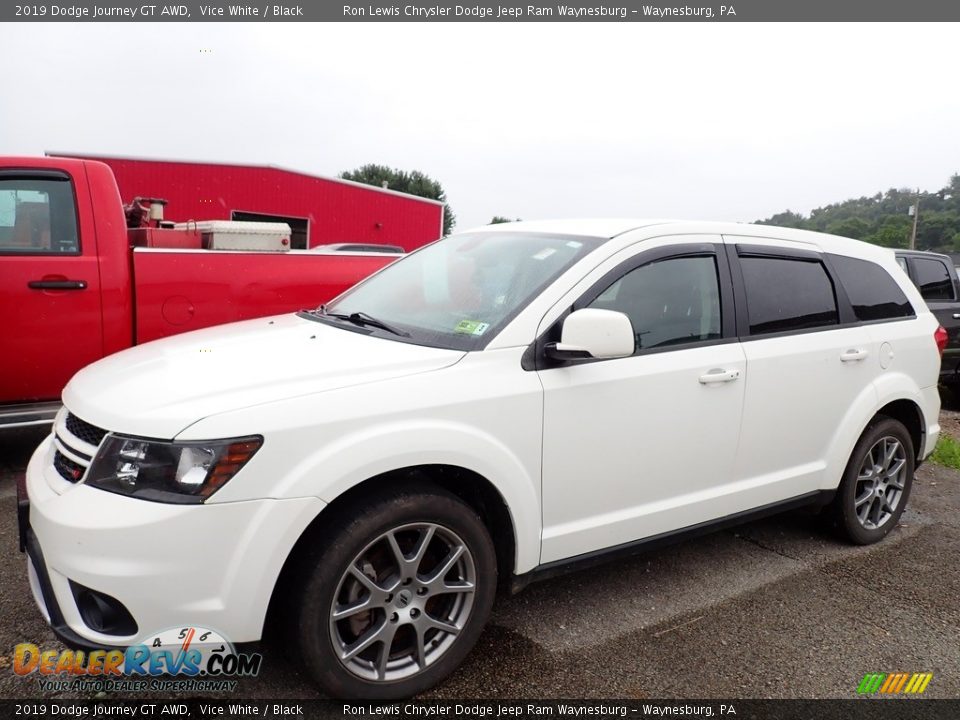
<point x="184" y="472"/>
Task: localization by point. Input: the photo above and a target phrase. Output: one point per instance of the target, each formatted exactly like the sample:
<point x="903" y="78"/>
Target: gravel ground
<point x="772" y="609"/>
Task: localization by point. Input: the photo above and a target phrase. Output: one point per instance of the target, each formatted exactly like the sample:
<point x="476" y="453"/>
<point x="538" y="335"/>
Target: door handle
<point x="57" y="284"/>
<point x="853" y="355"/>
<point x="719" y="375"/>
<point x="956" y="316"/>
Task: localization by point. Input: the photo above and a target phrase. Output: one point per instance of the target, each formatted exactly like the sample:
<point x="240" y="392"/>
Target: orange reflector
<point x="228" y="464"/>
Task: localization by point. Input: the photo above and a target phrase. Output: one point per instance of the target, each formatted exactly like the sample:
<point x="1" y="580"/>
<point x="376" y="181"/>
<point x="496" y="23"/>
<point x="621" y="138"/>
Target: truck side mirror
<point x="594" y="333"/>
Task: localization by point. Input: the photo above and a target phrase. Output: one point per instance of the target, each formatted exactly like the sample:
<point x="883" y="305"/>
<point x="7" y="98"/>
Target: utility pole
<point x="915" y="211"/>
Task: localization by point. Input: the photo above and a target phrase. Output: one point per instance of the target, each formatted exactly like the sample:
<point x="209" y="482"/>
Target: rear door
<point x="808" y="359"/>
<point x="49" y="286"/>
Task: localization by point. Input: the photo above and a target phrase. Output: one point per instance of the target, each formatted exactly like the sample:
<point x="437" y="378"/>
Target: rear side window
<point x="37" y="216"/>
<point x="872" y="292"/>
<point x="786" y="294"/>
<point x="933" y="279"/>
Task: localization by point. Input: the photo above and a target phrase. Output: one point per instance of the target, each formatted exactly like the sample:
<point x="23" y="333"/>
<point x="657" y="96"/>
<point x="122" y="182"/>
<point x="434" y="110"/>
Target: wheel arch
<point x="909" y="414"/>
<point x="898" y="403"/>
<point x="475" y="490"/>
<point x="852" y="510"/>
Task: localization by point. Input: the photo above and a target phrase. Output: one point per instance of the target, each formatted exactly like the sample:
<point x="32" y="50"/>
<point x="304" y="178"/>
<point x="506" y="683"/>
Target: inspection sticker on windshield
<point x="544" y="254"/>
<point x="471" y="327"/>
<point x="574" y="244"/>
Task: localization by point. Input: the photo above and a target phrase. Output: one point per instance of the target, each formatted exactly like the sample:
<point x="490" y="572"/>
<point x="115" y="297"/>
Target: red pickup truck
<point x="76" y="284"/>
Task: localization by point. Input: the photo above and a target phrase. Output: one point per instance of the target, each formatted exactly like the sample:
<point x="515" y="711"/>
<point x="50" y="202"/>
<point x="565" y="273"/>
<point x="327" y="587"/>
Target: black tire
<point x="324" y="576"/>
<point x="852" y="501"/>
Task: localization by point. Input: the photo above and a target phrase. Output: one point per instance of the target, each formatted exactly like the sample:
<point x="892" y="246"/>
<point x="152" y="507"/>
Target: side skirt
<point x="816" y="498"/>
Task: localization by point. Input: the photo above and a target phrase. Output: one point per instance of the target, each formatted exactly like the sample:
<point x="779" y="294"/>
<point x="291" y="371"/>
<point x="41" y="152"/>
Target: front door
<point x="637" y="446"/>
<point x="49" y="287"/>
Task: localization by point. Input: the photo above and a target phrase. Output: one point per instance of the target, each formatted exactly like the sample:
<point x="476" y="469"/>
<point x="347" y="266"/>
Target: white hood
<point x="158" y="389"/>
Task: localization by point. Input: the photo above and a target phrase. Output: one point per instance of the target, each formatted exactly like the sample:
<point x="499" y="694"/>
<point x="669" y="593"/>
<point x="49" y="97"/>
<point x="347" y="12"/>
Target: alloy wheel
<point x="880" y="482"/>
<point x="402" y="602"/>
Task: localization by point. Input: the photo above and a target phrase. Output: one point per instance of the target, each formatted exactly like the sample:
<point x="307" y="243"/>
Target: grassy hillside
<point x="883" y="218"/>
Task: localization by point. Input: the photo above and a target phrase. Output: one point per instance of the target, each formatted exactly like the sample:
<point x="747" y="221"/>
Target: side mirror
<point x="593" y="333"/>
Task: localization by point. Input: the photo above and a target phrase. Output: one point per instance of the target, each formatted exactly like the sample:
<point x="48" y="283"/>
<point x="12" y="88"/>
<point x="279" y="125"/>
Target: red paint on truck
<point x="73" y="289"/>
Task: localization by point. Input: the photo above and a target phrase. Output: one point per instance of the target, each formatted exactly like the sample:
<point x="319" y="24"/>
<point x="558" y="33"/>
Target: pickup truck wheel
<point x="876" y="483"/>
<point x="399" y="596"/>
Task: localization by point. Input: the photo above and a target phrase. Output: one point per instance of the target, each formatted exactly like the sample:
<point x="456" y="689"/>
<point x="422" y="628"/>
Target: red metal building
<point x="319" y="210"/>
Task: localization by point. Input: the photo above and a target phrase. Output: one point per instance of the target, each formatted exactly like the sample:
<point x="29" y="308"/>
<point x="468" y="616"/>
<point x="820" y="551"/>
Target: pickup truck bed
<point x="176" y="290"/>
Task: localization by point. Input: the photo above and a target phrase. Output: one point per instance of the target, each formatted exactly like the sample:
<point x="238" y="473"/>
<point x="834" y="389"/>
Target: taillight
<point x="941" y="338"/>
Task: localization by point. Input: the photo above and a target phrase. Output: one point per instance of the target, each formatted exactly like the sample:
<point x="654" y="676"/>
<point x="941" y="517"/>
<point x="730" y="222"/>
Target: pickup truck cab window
<point x="933" y="279"/>
<point x="785" y="294"/>
<point x="37" y="215"/>
<point x="669" y="302"/>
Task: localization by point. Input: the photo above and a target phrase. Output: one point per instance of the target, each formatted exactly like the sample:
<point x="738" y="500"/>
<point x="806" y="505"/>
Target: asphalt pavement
<point x="772" y="609"/>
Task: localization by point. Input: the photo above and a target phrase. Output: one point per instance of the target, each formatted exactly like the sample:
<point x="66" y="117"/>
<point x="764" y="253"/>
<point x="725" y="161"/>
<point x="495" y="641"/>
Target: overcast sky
<point x="699" y="121"/>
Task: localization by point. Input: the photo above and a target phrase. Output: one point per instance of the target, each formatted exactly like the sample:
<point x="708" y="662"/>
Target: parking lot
<point x="772" y="609"/>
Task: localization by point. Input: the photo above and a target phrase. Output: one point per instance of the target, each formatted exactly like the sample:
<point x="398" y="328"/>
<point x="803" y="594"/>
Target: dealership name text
<point x="494" y="12"/>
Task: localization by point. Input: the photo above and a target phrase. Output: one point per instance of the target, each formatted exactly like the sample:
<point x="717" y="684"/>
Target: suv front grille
<point x="68" y="469"/>
<point x="83" y="430"/>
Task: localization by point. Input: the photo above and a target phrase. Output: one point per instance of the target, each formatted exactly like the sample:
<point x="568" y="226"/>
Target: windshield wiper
<point x="362" y="319"/>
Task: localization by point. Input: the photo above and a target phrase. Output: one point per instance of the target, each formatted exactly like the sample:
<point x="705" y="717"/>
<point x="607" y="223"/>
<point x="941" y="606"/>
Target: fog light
<point x="102" y="613"/>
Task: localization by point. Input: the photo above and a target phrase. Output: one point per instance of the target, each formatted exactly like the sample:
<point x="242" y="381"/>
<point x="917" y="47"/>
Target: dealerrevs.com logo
<point x="188" y="659"/>
<point x="894" y="683"/>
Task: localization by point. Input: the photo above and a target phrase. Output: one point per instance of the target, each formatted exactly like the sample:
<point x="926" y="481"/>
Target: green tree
<point x="893" y="232"/>
<point x="786" y="219"/>
<point x="852" y="227"/>
<point x="952" y="193"/>
<point x="935" y="230"/>
<point x="413" y="183"/>
<point x="884" y="218"/>
<point x="497" y="219"/>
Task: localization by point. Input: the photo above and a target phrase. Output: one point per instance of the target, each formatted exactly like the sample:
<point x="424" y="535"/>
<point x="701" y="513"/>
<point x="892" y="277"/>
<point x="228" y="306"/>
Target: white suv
<point x="499" y="406"/>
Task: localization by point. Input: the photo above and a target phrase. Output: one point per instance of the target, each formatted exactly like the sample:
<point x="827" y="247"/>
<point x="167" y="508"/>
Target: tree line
<point x="882" y="219"/>
<point x="885" y="219"/>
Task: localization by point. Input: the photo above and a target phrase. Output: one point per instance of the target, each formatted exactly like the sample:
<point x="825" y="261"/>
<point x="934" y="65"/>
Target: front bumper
<point x="46" y="599"/>
<point x="212" y="565"/>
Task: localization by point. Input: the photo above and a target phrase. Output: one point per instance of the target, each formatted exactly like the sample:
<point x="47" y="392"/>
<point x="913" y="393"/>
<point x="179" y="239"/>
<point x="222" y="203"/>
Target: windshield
<point x="460" y="291"/>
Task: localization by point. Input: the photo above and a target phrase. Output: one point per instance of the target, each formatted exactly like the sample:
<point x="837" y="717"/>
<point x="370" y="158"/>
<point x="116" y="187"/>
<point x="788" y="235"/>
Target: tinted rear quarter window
<point x="873" y="293"/>
<point x="786" y="294"/>
<point x="933" y="279"/>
